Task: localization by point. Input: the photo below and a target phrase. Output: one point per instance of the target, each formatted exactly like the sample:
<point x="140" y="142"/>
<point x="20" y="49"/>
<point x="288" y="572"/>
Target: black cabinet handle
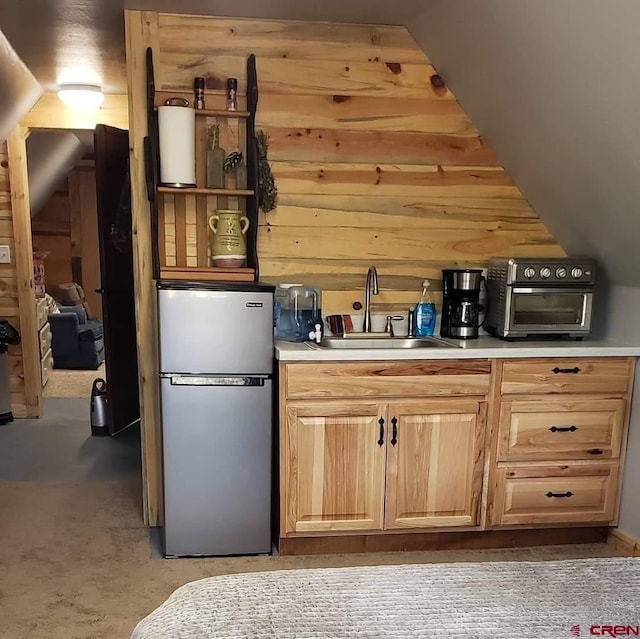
<point x="574" y="370"/>
<point x="567" y="494"/>
<point x="381" y="440"/>
<point x="394" y="432"/>
<point x="595" y="451"/>
<point x="563" y="429"/>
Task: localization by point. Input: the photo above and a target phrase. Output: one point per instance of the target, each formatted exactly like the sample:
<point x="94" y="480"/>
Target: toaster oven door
<point x="549" y="310"/>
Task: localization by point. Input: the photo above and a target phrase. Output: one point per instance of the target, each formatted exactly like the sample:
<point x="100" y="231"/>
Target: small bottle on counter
<point x="425" y="313"/>
<point x="198" y="87"/>
<point x="232" y="94"/>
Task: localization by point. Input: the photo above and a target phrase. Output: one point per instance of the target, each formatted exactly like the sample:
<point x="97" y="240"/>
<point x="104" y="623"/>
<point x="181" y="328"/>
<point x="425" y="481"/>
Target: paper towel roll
<point x="177" y="126"/>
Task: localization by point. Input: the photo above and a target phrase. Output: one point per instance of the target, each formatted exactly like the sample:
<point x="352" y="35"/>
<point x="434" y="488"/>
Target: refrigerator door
<point x="216" y="331"/>
<point x="217" y="465"/>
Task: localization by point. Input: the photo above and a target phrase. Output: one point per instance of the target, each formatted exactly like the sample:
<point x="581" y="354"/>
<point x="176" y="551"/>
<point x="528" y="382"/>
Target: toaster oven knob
<point x="545" y="273"/>
<point x="529" y="272"/>
<point x="561" y="273"/>
<point x="576" y="272"/>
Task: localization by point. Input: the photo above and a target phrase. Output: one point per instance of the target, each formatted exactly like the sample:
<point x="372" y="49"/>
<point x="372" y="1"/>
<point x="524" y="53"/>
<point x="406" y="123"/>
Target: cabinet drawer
<point x="556" y="495"/>
<point x="46" y="365"/>
<point x="387" y="379"/>
<point x="596" y="375"/>
<point x="554" y="428"/>
<point x="42" y="312"/>
<point x="45" y="339"/>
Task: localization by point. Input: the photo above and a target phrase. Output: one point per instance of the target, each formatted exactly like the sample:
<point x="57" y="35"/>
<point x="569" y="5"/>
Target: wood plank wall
<point x="9" y="308"/>
<point x="375" y="161"/>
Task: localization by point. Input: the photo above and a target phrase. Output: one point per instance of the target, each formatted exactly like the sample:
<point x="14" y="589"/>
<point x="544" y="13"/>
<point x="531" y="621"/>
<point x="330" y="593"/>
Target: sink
<point x="384" y="342"/>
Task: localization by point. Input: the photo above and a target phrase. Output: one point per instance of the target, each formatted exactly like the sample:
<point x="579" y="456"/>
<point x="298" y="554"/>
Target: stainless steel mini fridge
<point x="216" y="383"/>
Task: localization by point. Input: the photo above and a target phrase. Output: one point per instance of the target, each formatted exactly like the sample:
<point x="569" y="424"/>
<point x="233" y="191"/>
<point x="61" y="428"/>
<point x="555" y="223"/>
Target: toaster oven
<point x="533" y="297"/>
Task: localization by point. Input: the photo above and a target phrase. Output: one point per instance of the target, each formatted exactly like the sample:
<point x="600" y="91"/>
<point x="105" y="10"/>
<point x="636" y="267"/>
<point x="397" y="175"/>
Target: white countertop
<point x="484" y="347"/>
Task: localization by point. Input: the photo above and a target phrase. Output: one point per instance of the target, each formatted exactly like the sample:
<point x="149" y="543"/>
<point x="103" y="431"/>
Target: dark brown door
<point x="116" y="274"/>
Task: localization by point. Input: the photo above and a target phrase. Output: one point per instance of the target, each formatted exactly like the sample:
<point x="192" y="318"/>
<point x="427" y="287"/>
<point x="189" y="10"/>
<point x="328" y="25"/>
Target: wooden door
<point x="116" y="275"/>
<point x="332" y="473"/>
<point x="434" y="464"/>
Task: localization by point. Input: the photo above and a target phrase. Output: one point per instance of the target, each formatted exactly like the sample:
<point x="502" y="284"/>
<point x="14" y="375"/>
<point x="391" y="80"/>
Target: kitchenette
<point x="502" y="422"/>
<point x="387" y="439"/>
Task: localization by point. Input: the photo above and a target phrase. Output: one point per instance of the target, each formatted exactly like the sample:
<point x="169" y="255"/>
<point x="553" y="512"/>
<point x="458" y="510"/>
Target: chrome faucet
<point x="371" y="281"/>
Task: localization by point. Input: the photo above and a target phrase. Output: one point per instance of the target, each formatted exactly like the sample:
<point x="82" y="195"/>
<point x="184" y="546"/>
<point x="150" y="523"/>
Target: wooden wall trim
<point x="23" y="255"/>
<point x="624" y="544"/>
<point x="141" y="29"/>
<point x="461" y="540"/>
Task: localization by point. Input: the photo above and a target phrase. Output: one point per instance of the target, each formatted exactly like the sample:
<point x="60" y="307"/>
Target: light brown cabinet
<point x="350" y="464"/>
<point x="333" y="467"/>
<point x="560" y="433"/>
<point x="383" y="448"/>
<point x="435" y="452"/>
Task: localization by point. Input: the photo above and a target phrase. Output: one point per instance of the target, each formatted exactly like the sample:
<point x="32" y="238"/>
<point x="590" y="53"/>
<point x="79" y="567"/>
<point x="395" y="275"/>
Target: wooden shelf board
<point x="207" y="274"/>
<point x="219" y="113"/>
<point x="202" y="191"/>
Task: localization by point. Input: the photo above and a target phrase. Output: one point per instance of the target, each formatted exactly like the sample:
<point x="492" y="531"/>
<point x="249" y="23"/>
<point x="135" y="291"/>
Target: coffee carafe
<point x="460" y="303"/>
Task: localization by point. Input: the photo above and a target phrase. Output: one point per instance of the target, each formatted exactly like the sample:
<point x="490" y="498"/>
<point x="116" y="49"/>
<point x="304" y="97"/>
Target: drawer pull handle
<point x="394" y="432"/>
<point x="564" y="429"/>
<point x="595" y="451"/>
<point x="567" y="494"/>
<point x="574" y="370"/>
<point x="381" y="440"/>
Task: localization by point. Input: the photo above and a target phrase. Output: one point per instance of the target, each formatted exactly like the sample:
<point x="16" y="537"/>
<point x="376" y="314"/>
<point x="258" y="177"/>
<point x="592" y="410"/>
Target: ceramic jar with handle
<point x="227" y="240"/>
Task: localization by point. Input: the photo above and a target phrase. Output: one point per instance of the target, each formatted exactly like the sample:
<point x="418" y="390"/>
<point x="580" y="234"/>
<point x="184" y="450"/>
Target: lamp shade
<point x="81" y="96"/>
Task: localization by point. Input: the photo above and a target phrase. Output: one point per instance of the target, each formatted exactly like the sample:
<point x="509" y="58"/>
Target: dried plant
<point x="213" y="135"/>
<point x="267" y="190"/>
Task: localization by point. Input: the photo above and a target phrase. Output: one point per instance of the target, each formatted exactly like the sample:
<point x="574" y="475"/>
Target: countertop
<point x="485" y="347"/>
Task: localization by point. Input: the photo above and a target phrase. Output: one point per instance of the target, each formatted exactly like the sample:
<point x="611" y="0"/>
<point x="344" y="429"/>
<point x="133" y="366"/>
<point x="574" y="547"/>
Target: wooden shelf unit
<point x="180" y="215"/>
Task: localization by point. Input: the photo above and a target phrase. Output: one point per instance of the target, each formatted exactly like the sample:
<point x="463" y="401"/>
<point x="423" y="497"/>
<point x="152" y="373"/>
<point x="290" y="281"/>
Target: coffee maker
<point x="460" y="303"/>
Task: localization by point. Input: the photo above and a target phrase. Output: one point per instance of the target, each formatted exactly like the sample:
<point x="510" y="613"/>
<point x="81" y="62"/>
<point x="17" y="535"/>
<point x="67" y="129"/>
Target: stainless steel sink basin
<point x="382" y="342"/>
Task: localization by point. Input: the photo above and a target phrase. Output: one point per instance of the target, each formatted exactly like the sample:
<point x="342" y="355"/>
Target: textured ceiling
<point x="83" y="40"/>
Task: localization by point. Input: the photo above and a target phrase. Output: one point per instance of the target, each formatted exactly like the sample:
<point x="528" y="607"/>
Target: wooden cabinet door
<point x="434" y="464"/>
<point x="332" y="469"/>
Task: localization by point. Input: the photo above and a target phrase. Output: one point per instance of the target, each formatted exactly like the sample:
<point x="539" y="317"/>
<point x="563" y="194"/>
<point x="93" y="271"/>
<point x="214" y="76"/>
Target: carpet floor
<point x="75" y="558"/>
<point x="68" y="383"/>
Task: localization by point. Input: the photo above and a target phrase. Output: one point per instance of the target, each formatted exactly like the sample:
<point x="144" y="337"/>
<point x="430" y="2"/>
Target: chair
<point x="76" y="340"/>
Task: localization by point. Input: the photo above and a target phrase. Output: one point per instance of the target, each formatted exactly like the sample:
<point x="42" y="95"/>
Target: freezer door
<point x="217" y="466"/>
<point x="215" y="331"/>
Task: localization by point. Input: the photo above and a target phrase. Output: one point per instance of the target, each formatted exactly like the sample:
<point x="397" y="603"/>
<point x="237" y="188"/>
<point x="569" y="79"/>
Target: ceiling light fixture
<point x="81" y="96"/>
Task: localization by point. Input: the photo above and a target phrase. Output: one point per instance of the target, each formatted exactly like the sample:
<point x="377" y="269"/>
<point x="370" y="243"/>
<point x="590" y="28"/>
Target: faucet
<point x="371" y="281"/>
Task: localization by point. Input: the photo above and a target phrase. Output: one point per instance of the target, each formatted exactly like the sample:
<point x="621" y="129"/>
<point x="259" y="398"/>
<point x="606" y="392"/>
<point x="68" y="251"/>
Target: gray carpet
<point x="497" y="600"/>
<point x="59" y="447"/>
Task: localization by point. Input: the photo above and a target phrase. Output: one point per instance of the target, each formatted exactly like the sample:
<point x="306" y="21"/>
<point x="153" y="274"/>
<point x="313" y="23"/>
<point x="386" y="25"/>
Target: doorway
<point x="81" y="235"/>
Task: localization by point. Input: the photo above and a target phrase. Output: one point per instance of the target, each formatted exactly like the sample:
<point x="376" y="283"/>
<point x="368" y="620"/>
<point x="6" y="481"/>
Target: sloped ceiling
<point x="554" y="88"/>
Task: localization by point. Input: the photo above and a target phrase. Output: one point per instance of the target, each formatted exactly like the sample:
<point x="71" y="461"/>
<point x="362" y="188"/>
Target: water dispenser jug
<point x="297" y="311"/>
